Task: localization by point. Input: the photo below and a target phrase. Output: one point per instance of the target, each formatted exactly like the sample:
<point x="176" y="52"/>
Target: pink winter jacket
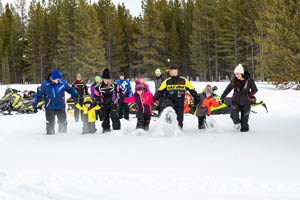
<point x="144" y="102"/>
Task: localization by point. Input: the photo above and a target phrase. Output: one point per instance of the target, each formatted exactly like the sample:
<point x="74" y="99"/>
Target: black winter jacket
<point x="243" y="90"/>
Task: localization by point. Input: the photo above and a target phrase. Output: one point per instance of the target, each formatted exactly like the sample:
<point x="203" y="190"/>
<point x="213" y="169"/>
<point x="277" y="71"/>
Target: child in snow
<point x="207" y="101"/>
<point x="144" y="84"/>
<point x="144" y="101"/>
<point x="89" y="115"/>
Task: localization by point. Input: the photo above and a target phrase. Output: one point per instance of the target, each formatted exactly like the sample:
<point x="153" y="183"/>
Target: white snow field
<point x="215" y="164"/>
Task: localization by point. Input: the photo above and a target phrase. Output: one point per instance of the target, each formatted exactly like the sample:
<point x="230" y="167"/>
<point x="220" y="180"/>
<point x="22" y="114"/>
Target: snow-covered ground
<point x="215" y="164"/>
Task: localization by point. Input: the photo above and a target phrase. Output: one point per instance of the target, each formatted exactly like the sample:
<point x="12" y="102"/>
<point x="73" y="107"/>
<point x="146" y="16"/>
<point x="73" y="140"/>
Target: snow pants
<point x="179" y="112"/>
<point x="235" y="115"/>
<point x="88" y="127"/>
<point x="123" y="110"/>
<point x="50" y="121"/>
<point x="201" y="122"/>
<point x="110" y="112"/>
<point x="143" y="121"/>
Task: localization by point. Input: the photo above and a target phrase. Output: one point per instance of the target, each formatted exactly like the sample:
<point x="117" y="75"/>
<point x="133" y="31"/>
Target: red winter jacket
<point x="144" y="102"/>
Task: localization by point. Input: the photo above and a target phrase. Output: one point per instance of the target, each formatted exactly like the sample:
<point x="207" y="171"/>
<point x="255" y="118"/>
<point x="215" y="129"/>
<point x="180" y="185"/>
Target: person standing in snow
<point x="173" y="91"/>
<point x="157" y="80"/>
<point x="144" y="101"/>
<point x="89" y="115"/>
<point x="108" y="102"/>
<point x="244" y="89"/>
<point x="96" y="96"/>
<point x="207" y="101"/>
<point x="124" y="91"/>
<point x="53" y="93"/>
<point x="142" y="81"/>
<point x="82" y="90"/>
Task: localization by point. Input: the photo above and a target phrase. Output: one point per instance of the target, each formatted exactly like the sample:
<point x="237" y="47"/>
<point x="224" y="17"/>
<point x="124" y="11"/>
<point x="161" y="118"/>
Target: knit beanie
<point x="106" y="74"/>
<point x="97" y="79"/>
<point x="239" y="69"/>
<point x="87" y="99"/>
<point x="157" y="71"/>
<point x="55" y="74"/>
<point x="139" y="87"/>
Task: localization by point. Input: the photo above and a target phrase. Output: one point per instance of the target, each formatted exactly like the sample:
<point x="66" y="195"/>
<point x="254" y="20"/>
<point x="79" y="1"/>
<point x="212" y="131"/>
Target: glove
<point x="222" y="101"/>
<point x="155" y="105"/>
<point x="35" y="110"/>
<point x="192" y="108"/>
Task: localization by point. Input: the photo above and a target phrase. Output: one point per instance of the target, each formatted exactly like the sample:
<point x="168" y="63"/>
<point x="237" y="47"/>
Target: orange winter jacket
<point x="208" y="103"/>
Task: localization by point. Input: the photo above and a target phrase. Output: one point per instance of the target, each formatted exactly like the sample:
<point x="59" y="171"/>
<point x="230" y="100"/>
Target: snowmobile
<point x="13" y="101"/>
<point x="224" y="108"/>
<point x="71" y="102"/>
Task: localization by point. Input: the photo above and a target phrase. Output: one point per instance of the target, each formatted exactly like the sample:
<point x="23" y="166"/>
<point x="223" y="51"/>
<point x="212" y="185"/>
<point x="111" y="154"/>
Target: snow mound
<point x="166" y="125"/>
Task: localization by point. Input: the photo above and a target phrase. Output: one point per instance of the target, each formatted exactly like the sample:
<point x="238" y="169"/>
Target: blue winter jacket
<point x="54" y="95"/>
<point x="124" y="88"/>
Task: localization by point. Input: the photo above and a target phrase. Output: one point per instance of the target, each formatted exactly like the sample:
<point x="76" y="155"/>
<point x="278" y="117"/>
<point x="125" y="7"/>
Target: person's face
<point x="239" y="76"/>
<point x="56" y="81"/>
<point x="106" y="81"/>
<point x="174" y="72"/>
<point x="208" y="95"/>
<point x="122" y="77"/>
<point x="87" y="105"/>
<point x="157" y="74"/>
<point x="142" y="80"/>
<point x="139" y="92"/>
<point x="78" y="78"/>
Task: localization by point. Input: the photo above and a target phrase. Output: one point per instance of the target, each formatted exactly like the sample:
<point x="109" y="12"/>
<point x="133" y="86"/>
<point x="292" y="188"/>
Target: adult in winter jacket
<point x="124" y="90"/>
<point x="244" y="88"/>
<point x="96" y="96"/>
<point x="158" y="79"/>
<point x="144" y="101"/>
<point x="173" y="90"/>
<point x="82" y="90"/>
<point x="108" y="102"/>
<point x="53" y="93"/>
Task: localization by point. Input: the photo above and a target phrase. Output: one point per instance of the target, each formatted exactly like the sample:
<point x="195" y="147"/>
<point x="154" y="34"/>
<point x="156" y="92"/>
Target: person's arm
<point x="130" y="99"/>
<point x="70" y="90"/>
<point x="79" y="106"/>
<point x="40" y="94"/>
<point x="161" y="90"/>
<point x="129" y="89"/>
<point x="189" y="87"/>
<point x="86" y="89"/>
<point x="227" y="91"/>
<point x="253" y="88"/>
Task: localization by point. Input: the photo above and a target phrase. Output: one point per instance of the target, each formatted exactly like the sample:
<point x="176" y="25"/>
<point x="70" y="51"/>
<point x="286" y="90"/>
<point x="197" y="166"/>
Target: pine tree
<point x="66" y="47"/>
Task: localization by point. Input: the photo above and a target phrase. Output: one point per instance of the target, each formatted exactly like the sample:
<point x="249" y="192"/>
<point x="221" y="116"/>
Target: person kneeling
<point x="207" y="101"/>
<point x="144" y="102"/>
<point x="89" y="115"/>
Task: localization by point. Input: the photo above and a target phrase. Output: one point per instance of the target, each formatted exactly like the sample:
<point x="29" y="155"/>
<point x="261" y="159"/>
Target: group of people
<point x="108" y="101"/>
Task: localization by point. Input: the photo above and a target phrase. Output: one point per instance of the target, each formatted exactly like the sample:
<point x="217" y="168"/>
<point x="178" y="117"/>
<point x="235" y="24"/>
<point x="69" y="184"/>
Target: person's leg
<point x="235" y="114"/>
<point x="85" y="127"/>
<point x="245" y="112"/>
<point x="140" y="121"/>
<point x="50" y="122"/>
<point x="105" y="122"/>
<point x="201" y="122"/>
<point x="147" y="119"/>
<point x="114" y="118"/>
<point x="120" y="109"/>
<point x="76" y="114"/>
<point x="179" y="113"/>
<point x="62" y="121"/>
<point x="126" y="111"/>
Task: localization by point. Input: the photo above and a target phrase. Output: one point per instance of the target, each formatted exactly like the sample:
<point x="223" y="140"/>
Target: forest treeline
<point x="205" y="38"/>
